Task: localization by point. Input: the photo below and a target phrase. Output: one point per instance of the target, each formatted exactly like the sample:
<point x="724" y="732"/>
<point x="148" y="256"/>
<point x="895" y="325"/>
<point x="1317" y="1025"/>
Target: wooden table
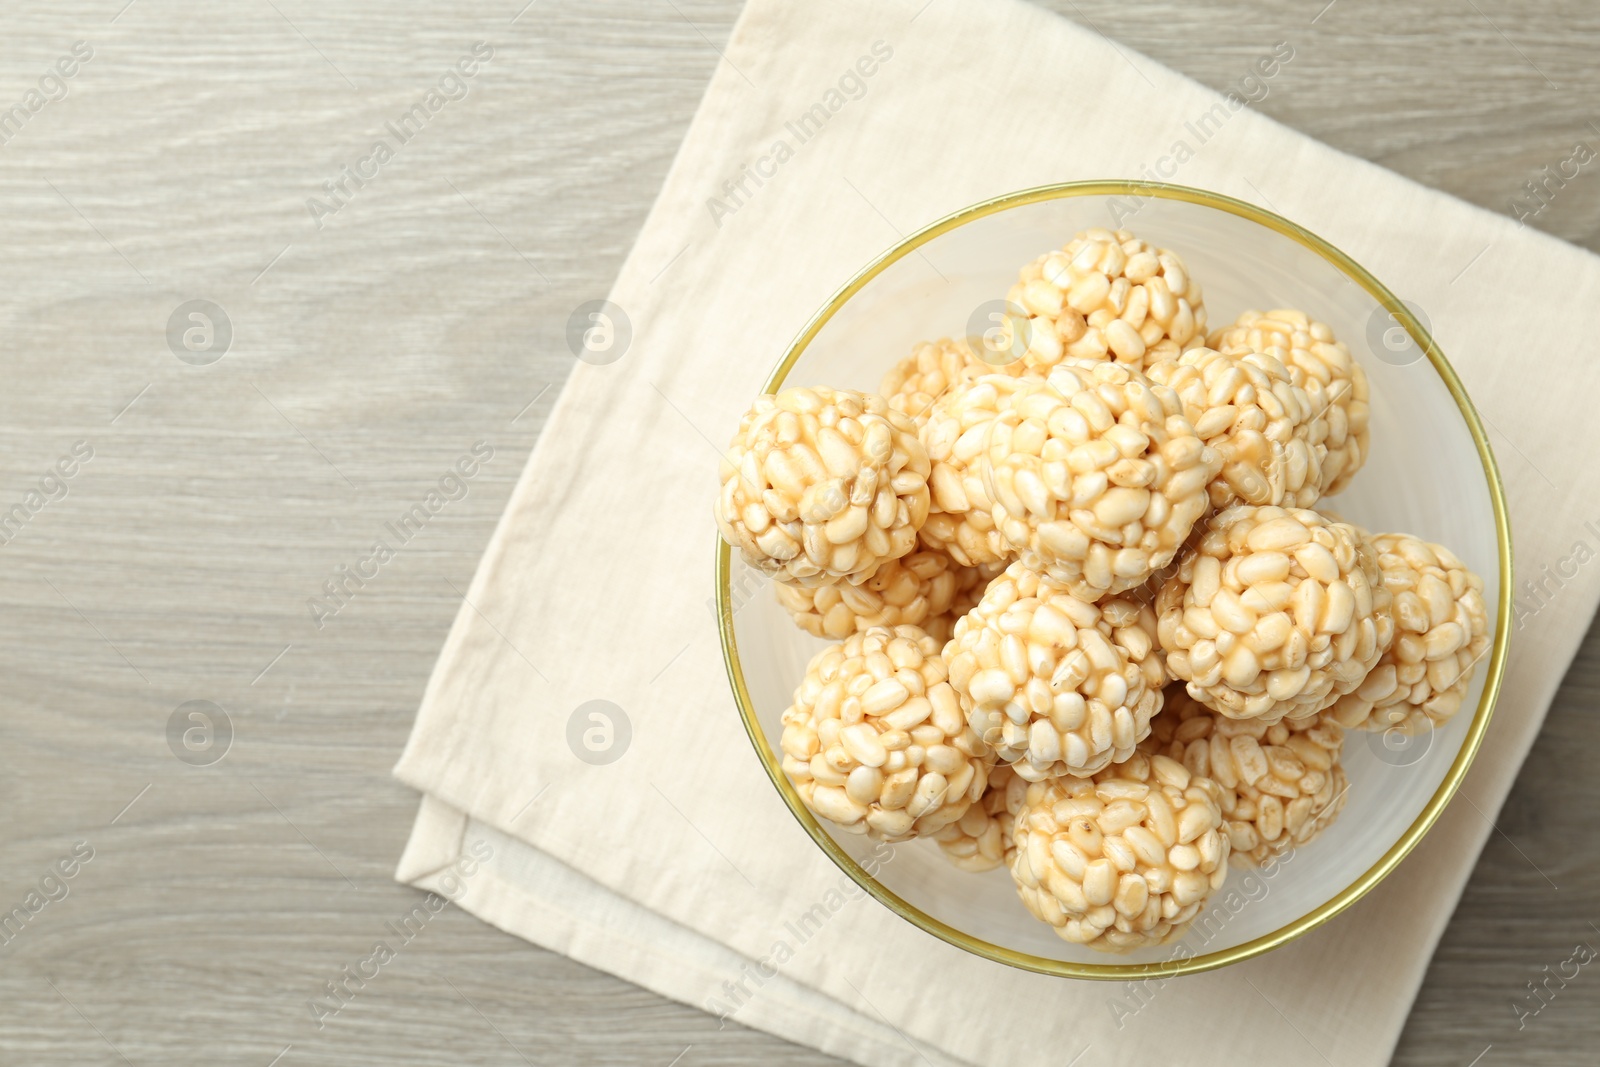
<point x="368" y="353"/>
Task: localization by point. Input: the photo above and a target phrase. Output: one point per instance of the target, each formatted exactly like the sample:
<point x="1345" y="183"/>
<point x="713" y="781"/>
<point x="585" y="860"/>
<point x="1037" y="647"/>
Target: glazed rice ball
<point x="1333" y="379"/>
<point x="932" y="369"/>
<point x="823" y="484"/>
<point x="1441" y="631"/>
<point x="1124" y="859"/>
<point x="1282" y="784"/>
<point x="981" y="840"/>
<point x="1107" y="296"/>
<point x="1055" y="684"/>
<point x="960" y="521"/>
<point x="1265" y="428"/>
<point x="926" y="589"/>
<point x="1274" y="613"/>
<point x="1095" y="476"/>
<point x="875" y="741"/>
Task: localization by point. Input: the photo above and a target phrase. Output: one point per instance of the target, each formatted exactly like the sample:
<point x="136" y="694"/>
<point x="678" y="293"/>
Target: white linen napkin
<point x="677" y="866"/>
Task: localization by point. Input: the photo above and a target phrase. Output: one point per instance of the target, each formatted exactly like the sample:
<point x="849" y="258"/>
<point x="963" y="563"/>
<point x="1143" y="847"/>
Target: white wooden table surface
<point x="366" y="355"/>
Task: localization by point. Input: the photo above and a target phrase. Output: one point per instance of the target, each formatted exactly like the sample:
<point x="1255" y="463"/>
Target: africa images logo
<point x="453" y="85"/>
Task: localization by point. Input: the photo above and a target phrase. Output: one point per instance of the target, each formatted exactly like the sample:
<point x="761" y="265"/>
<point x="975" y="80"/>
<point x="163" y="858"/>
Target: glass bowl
<point x="1430" y="473"/>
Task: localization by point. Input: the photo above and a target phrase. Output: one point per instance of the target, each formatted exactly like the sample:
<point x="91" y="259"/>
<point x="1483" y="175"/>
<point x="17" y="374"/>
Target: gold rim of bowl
<point x="1408" y="840"/>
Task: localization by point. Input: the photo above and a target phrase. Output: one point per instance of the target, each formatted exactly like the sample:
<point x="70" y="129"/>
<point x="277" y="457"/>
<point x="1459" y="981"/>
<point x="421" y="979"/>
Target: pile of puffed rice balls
<point x="1089" y="623"/>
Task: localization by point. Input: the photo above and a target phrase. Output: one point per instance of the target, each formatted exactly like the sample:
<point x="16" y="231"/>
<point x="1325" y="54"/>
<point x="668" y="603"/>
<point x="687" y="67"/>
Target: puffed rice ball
<point x="1248" y="407"/>
<point x="959" y="520"/>
<point x="1273" y="613"/>
<point x="875" y="741"/>
<point x="1441" y="631"/>
<point x="1282" y="784"/>
<point x="1095" y="476"/>
<point x="1124" y="859"/>
<point x="934" y="367"/>
<point x="981" y="840"/>
<point x="1333" y="380"/>
<point x="926" y="589"/>
<point x="823" y="484"/>
<point x="1055" y="684"/>
<point x="1108" y="296"/>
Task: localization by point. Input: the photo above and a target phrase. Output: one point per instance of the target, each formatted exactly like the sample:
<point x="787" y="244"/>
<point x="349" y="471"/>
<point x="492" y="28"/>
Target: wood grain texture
<point x="367" y="356"/>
